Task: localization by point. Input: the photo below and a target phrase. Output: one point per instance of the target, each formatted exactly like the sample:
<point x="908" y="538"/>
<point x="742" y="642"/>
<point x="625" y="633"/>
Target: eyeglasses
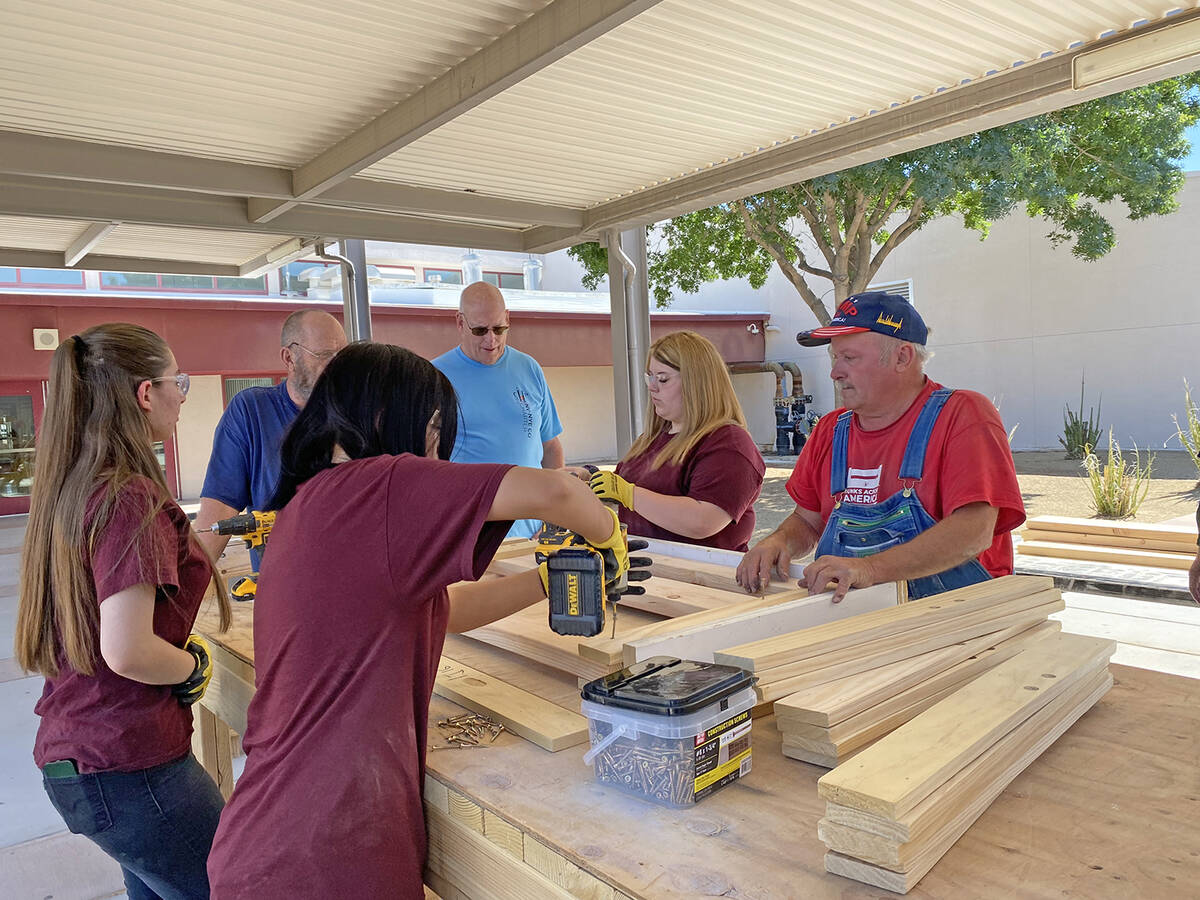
<point x="658" y="379"/>
<point x="182" y="381"/>
<point x="481" y="330"/>
<point x="323" y="355"/>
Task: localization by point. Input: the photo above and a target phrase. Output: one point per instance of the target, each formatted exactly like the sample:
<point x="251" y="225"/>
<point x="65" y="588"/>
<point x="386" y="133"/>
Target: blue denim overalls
<point x="858" y="529"/>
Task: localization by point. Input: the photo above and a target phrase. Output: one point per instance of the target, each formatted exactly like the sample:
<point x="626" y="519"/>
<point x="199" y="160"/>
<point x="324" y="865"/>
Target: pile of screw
<point x="659" y="768"/>
<point x="468" y="730"/>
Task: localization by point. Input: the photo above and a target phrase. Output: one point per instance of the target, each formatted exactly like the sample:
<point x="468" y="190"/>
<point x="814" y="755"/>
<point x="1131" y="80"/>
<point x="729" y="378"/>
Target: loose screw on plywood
<point x="466" y="731"/>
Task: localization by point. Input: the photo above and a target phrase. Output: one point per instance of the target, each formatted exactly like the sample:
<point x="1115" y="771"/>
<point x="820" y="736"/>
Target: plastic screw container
<point x="669" y="730"/>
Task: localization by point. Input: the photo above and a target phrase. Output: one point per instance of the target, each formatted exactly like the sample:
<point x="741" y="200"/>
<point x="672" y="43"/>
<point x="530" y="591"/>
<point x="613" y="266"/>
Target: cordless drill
<point x="575" y="571"/>
<point x="253" y="527"/>
<point x="575" y="576"/>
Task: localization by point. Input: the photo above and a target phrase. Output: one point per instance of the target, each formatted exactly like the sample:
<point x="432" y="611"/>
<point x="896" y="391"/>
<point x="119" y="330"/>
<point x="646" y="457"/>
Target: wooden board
<point x="669" y="598"/>
<point x="828" y="704"/>
<point x="1114" y="529"/>
<point x="882" y="623"/>
<point x="1186" y="546"/>
<point x="459" y="855"/>
<point x="898" y="772"/>
<point x="898" y="867"/>
<point x="897" y="647"/>
<point x="776" y="682"/>
<point x="611" y="652"/>
<point x="528" y="633"/>
<point x="540" y="721"/>
<point x="700" y="641"/>
<point x="516" y="548"/>
<point x="1107" y="554"/>
<point x="834" y="753"/>
<point x="708" y="574"/>
<point x="975" y="787"/>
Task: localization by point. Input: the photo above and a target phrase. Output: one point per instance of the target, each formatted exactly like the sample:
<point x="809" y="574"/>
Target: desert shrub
<point x="1118" y="487"/>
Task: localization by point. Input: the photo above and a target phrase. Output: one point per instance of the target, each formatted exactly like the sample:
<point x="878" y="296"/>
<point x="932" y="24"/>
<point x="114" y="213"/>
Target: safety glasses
<point x="182" y="381"/>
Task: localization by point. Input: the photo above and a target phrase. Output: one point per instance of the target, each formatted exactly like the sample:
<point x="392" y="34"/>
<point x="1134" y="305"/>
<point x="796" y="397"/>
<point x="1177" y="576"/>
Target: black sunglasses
<point x="481" y="330"/>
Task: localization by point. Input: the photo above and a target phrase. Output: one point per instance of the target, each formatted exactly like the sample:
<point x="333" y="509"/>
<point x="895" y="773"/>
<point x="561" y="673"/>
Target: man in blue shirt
<point x="506" y="413"/>
<point x="244" y="465"/>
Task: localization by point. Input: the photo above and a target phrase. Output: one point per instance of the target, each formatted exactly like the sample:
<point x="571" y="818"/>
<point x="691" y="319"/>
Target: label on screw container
<point x="722" y="754"/>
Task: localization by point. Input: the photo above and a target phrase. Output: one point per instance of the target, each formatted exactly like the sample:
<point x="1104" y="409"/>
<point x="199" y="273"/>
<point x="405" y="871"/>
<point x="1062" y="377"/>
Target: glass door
<point x="21" y="405"/>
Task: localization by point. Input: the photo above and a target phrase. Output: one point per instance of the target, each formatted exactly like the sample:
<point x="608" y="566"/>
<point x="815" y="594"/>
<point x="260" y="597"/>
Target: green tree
<point x="840" y="228"/>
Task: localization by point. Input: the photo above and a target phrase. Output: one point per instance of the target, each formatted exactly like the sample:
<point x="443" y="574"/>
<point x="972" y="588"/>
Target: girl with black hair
<point x="373" y="557"/>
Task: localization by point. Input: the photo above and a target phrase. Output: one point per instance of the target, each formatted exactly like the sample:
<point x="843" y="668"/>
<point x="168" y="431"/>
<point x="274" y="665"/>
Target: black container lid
<point x="666" y="686"/>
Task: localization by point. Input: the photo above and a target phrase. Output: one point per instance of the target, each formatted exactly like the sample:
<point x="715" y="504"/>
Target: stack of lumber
<point x="1122" y="543"/>
<point x="897" y="807"/>
<point x="932" y="634"/>
<point x="827" y="724"/>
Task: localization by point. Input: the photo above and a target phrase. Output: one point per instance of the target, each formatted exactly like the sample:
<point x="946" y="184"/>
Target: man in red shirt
<point x="908" y="482"/>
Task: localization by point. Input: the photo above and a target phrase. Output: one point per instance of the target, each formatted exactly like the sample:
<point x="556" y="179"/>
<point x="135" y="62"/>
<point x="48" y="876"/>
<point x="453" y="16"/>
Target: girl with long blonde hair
<point x="694" y="473"/>
<point x="111" y="581"/>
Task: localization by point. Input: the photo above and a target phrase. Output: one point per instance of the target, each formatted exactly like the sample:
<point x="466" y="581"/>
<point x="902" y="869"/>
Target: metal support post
<point x="356" y="301"/>
<point x="630" y="305"/>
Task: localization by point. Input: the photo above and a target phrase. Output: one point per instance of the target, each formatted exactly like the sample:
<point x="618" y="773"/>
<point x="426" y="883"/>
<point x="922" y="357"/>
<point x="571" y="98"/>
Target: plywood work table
<point x="1110" y="810"/>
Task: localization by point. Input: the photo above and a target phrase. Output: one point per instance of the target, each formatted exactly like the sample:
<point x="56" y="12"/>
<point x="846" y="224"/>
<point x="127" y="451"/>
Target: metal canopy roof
<point x="226" y="137"/>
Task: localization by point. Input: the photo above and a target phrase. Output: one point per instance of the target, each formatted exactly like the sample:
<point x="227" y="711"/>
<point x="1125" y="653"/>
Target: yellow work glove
<point x="611" y="486"/>
<point x="614" y="550"/>
<point x="193" y="687"/>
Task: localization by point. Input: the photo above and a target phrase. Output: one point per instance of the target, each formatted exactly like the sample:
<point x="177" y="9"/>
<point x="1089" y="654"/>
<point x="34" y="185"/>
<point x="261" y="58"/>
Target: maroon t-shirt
<point x="103" y="721"/>
<point x="349" y="624"/>
<point x="725" y="468"/>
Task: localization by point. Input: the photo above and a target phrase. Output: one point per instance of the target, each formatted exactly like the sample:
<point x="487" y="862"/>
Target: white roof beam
<point x="51" y="198"/>
<point x="52" y="259"/>
<point x="382" y="196"/>
<point x="279" y="255"/>
<point x="86" y="242"/>
<point x="1020" y="93"/>
<point x="50" y="157"/>
<point x="545" y="37"/>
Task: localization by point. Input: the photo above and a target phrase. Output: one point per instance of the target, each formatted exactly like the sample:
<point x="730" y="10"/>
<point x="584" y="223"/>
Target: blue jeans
<point x="157" y="823"/>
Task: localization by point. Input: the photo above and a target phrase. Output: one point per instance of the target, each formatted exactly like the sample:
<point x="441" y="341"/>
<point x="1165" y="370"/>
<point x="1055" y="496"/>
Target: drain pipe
<point x="751" y="368"/>
<point x="630" y="330"/>
<point x="357" y="312"/>
<point x="797" y="379"/>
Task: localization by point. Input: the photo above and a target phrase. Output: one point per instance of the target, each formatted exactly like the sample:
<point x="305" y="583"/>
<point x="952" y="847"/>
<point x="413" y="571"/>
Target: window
<point x="443" y="276"/>
<point x="297" y="277"/>
<point x="208" y="284"/>
<point x="234" y="386"/>
<point x="71" y="278"/>
<point x="505" y="280"/>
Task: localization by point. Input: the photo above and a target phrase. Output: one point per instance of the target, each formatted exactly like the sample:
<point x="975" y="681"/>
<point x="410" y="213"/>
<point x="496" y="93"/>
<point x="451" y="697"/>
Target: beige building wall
<point x="584" y="398"/>
<point x="198" y="419"/>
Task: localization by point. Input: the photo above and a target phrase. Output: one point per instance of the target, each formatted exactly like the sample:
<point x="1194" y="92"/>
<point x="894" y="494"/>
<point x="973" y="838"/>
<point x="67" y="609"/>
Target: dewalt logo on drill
<point x="572" y="594"/>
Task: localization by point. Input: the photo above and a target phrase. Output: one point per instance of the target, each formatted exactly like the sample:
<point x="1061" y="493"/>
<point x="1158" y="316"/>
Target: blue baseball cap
<point x="876" y="311"/>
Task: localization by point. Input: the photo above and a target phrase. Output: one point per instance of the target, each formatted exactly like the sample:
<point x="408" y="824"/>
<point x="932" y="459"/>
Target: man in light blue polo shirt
<point x="244" y="466"/>
<point x="506" y="413"/>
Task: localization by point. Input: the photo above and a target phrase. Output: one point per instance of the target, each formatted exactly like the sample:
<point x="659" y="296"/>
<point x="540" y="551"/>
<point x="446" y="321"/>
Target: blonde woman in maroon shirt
<point x="694" y="473"/>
